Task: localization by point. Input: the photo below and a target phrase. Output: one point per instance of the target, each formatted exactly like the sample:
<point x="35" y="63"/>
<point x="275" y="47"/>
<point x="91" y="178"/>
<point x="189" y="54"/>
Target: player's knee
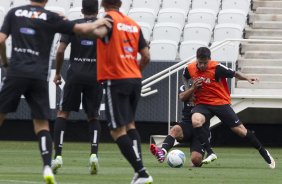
<point x="176" y="131"/>
<point x="197" y="160"/>
<point x="198" y="119"/>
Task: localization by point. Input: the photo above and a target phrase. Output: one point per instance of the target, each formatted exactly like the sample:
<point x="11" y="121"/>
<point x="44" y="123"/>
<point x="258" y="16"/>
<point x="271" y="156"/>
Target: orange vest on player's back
<point x="212" y="92"/>
<point x="117" y="59"/>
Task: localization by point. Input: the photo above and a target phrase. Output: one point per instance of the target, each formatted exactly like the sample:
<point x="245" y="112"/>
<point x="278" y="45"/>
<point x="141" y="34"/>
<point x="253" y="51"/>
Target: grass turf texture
<point x="20" y="163"/>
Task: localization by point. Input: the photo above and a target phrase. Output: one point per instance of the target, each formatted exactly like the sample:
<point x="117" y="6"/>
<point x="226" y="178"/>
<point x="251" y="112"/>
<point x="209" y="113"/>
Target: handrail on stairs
<point x="148" y="82"/>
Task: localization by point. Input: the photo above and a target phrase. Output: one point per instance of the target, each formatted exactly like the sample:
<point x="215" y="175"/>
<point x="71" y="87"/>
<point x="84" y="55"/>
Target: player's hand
<point x="252" y="80"/>
<point x="104" y="22"/>
<point x="58" y="79"/>
<point x="198" y="83"/>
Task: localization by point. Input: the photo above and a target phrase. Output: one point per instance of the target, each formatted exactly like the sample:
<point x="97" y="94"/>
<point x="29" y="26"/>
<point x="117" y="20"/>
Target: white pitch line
<point x="28" y="182"/>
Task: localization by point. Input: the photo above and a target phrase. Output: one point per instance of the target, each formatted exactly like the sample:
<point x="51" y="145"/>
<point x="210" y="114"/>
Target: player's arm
<point x="242" y="76"/>
<point x="60" y="55"/>
<point x="4" y="60"/>
<point x="143" y="49"/>
<point x="186" y="93"/>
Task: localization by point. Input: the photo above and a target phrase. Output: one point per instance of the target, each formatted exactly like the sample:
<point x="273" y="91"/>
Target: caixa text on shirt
<point x="84" y="60"/>
<point x="31" y="14"/>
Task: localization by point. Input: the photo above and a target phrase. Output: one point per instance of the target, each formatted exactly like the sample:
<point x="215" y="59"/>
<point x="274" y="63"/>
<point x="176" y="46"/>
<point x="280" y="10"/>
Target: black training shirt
<point x="32" y="29"/>
<point x="187" y="106"/>
<point x="82" y="67"/>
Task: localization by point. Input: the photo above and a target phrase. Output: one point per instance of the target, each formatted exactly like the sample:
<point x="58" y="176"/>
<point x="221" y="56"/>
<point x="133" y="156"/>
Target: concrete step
<point x="265" y="37"/>
<point x="277" y="4"/>
<point x="259" y="62"/>
<point x="268" y="77"/>
<point x="251" y="91"/>
<point x="259" y="85"/>
<point x="268" y="10"/>
<point x="265" y="17"/>
<point x="262" y="32"/>
<point x="261" y="69"/>
<point x="267" y="24"/>
<point x="263" y="55"/>
<point x="260" y="47"/>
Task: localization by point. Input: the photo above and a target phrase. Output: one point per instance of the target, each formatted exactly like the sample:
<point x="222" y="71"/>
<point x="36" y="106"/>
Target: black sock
<point x="204" y="140"/>
<point x="45" y="146"/>
<point x="126" y="147"/>
<point x="135" y="137"/>
<point x="251" y="138"/>
<point x="94" y="132"/>
<point x="168" y="143"/>
<point x="59" y="131"/>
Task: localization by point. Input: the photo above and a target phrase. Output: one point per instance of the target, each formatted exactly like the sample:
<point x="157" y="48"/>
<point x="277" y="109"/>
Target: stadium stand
<point x="232" y="15"/>
<point x="198" y="32"/>
<point x="202" y="16"/>
<point x="167" y="31"/>
<point x="146" y="15"/>
<point x="74" y="13"/>
<point x="146" y="30"/>
<point x="151" y="4"/>
<point x="6" y="4"/>
<point x="206" y="4"/>
<point x="189" y="48"/>
<point x="16" y="3"/>
<point x="2" y="14"/>
<point x="243" y="5"/>
<point x="174" y="15"/>
<point x="178" y="4"/>
<point x="167" y="48"/>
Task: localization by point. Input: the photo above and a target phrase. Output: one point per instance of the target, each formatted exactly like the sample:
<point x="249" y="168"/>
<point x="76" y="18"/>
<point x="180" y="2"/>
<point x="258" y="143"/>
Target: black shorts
<point x="224" y="112"/>
<point x="35" y="92"/>
<point x="121" y="101"/>
<point x="189" y="136"/>
<point x="91" y="96"/>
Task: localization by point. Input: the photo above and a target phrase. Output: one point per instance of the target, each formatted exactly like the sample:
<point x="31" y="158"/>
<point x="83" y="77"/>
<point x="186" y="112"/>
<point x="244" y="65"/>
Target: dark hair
<point x="89" y="7"/>
<point x="111" y="2"/>
<point x="38" y="1"/>
<point x="203" y="53"/>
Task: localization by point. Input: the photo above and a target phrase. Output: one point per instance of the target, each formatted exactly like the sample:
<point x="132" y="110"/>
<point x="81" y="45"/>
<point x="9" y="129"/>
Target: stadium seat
<point x="75" y="13"/>
<point x="2" y="14"/>
<point x="150" y="4"/>
<point x="172" y="15"/>
<point x="189" y="48"/>
<point x="225" y="31"/>
<point x="17" y="3"/>
<point x="179" y="4"/>
<point x="226" y="53"/>
<point x="58" y="10"/>
<point x="243" y="5"/>
<point x="6" y="4"/>
<point x="167" y="31"/>
<point x="143" y="15"/>
<point x="202" y="16"/>
<point x="146" y="30"/>
<point x="66" y="4"/>
<point x="206" y="4"/>
<point x="163" y="50"/>
<point x="125" y="6"/>
<point x="232" y="15"/>
<point x="198" y="32"/>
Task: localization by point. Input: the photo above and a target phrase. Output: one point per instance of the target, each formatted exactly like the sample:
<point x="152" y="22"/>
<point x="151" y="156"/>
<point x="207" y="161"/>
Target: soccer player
<point x="32" y="29"/>
<point x="81" y="79"/>
<point x="120" y="72"/>
<point x="212" y="98"/>
<point x="183" y="132"/>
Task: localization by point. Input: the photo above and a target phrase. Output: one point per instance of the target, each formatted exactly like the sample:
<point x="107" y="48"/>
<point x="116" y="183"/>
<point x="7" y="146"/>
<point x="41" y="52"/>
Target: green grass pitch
<point x="20" y="163"/>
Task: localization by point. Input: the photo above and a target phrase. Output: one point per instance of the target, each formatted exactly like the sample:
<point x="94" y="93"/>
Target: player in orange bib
<point x="212" y="98"/>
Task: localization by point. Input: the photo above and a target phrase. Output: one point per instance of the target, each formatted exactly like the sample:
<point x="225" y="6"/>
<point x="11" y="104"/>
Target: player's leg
<point x="175" y="133"/>
<point x="200" y="114"/>
<point x="91" y="100"/>
<point x="229" y="117"/>
<point x="37" y="97"/>
<point x="119" y="114"/>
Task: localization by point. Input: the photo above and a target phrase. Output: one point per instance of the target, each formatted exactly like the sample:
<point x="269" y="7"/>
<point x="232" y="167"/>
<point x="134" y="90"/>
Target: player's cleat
<point x="147" y="180"/>
<point x="209" y="159"/>
<point x="271" y="164"/>
<point x="48" y="175"/>
<point x="94" y="165"/>
<point x="158" y="153"/>
<point x="134" y="178"/>
<point x="56" y="164"/>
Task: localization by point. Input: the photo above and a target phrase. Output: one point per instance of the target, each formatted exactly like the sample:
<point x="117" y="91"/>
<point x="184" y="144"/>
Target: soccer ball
<point x="176" y="158"/>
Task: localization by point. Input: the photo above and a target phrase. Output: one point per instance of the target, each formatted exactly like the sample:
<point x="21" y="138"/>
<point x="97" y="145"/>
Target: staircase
<point x="263" y="60"/>
<point x="260" y="59"/>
